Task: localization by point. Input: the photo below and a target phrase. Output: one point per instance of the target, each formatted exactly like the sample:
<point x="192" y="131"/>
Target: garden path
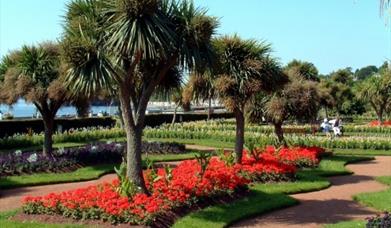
<point x="331" y="205"/>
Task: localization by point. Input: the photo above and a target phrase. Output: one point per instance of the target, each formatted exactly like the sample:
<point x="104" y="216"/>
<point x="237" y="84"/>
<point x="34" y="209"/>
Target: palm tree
<point x="384" y="5"/>
<point x="376" y="90"/>
<point x="202" y="88"/>
<point x="132" y="45"/>
<point x="244" y="68"/>
<point x="34" y="73"/>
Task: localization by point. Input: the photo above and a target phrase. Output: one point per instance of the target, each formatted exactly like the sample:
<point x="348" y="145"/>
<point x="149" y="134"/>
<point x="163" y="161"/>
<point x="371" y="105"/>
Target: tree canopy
<point x="135" y="48"/>
<point x="35" y="74"/>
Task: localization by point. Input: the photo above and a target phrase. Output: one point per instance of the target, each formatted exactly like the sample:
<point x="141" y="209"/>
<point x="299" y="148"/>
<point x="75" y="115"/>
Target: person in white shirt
<point x="326" y="127"/>
<point x="337" y="124"/>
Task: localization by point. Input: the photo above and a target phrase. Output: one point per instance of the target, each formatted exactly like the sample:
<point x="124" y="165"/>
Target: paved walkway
<point x="330" y="205"/>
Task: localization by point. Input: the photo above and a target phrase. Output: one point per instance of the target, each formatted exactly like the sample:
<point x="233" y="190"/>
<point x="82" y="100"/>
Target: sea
<point x="22" y="109"/>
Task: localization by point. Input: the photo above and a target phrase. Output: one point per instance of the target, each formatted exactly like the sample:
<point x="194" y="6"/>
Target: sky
<point x="332" y="34"/>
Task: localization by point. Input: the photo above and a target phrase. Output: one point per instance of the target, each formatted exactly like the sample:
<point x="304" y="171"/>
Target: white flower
<point x="32" y="158"/>
<point x="109" y="142"/>
<point x="61" y="151"/>
<point x="18" y="153"/>
<point x="94" y="149"/>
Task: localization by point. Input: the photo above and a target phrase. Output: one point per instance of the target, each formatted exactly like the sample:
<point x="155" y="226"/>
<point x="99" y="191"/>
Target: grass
<point x="82" y="174"/>
<point x="201" y="142"/>
<point x="267" y="197"/>
<point x="362" y="152"/>
<point x="378" y="200"/>
<point x="347" y="224"/>
<point x="6" y="223"/>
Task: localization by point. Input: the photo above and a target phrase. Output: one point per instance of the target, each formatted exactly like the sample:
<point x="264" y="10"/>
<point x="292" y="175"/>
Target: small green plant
<point x="227" y="157"/>
<point x="203" y="158"/>
<point x="126" y="187"/>
<point x="253" y="150"/>
<point x="168" y="171"/>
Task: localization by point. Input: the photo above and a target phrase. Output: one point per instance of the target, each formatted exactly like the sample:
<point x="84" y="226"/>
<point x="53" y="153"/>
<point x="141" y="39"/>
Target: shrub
<point x="66" y="159"/>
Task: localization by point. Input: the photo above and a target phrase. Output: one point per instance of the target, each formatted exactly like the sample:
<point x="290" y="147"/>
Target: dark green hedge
<point x="11" y="127"/>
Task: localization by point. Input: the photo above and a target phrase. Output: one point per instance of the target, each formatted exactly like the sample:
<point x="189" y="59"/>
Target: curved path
<point x="331" y="205"/>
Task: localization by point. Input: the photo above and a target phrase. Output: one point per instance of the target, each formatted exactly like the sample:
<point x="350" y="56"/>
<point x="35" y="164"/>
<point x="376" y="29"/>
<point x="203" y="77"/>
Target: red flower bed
<point x="376" y="123"/>
<point x="182" y="186"/>
<point x="301" y="156"/>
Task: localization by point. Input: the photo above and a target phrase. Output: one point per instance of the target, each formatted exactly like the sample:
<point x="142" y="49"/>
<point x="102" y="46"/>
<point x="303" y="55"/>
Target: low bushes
<point x="354" y="142"/>
<point x="18" y="163"/>
<point x="188" y="183"/>
<point x="29" y="126"/>
<point x="386" y="123"/>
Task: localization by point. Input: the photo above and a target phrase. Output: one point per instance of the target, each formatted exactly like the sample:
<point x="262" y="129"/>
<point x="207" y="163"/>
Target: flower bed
<point x="377" y="123"/>
<point x="301" y="156"/>
<point x="69" y="159"/>
<point x="184" y="185"/>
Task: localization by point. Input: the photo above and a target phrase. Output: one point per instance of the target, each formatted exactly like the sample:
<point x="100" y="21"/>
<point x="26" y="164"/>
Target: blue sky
<point x="332" y="34"/>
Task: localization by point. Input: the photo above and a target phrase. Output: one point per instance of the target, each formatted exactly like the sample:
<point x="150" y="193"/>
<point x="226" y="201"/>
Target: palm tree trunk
<point x="239" y="135"/>
<point x="134" y="169"/>
<point x="209" y="108"/>
<point x="279" y="133"/>
<point x="48" y="123"/>
<point x="174" y="115"/>
<point x="121" y="120"/>
<point x="326" y="112"/>
<point x="380" y="116"/>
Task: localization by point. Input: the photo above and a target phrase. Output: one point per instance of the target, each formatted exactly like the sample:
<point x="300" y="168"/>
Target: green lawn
<point x="378" y="200"/>
<point x="6" y="223"/>
<point x="347" y="224"/>
<point x="361" y="152"/>
<point x="266" y="197"/>
<point x="82" y="174"/>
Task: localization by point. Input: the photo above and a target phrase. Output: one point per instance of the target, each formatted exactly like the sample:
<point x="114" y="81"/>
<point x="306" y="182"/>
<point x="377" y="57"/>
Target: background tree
<point x="298" y="100"/>
<point x="132" y="45"/>
<point x="365" y="72"/>
<point x="306" y="69"/>
<point x="337" y="92"/>
<point x="244" y="69"/>
<point x="376" y="91"/>
<point x="34" y="74"/>
<point x="180" y="97"/>
<point x="202" y="88"/>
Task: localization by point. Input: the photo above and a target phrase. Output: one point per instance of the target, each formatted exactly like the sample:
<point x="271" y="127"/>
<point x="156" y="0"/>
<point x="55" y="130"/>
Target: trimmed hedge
<point x="12" y="127"/>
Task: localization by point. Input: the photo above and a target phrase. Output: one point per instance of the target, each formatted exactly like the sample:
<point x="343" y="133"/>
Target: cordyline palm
<point x="384" y="5"/>
<point x="131" y="46"/>
<point x="376" y="90"/>
<point x="202" y="88"/>
<point x="243" y="69"/>
<point x="33" y="73"/>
